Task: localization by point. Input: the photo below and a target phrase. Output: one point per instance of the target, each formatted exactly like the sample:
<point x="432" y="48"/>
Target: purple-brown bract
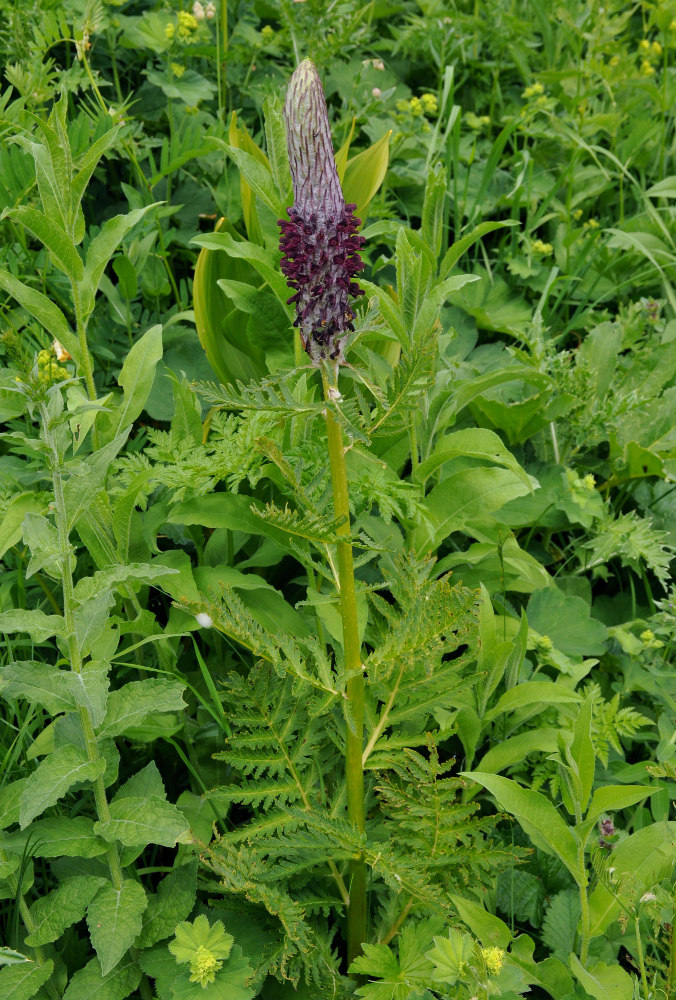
<point x="320" y="245"/>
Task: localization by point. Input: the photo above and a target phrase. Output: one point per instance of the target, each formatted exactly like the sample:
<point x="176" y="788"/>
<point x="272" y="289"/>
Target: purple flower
<point x="319" y="244"/>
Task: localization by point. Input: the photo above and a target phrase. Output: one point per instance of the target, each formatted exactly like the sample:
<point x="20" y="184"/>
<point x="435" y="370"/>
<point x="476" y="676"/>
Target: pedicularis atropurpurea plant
<point x="336" y="670"/>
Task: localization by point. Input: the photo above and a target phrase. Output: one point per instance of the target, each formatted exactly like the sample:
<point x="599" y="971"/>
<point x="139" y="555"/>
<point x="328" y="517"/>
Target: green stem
<point x="584" y="909"/>
<point x="354" y="772"/>
<point x="641" y="959"/>
<point x="31" y="927"/>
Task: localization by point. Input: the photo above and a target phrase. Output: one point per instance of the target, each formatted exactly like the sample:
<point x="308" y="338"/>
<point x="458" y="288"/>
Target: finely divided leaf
<point x="114" y="920"/>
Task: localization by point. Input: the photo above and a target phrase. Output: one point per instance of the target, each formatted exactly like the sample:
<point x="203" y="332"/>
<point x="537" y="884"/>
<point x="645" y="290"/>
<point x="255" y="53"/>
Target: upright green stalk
<point x="354" y="772"/>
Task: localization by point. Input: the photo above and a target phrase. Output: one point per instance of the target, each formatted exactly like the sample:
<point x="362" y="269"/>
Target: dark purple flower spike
<point x="319" y="244"/>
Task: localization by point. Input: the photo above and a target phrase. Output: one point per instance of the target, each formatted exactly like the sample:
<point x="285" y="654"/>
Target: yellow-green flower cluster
<point x="177" y="69"/>
<point x="267" y="33"/>
<point x="494" y="959"/>
<point x="648" y="52"/>
<point x="476" y="122"/>
<point x="49" y="372"/>
<point x="183" y="28"/>
<point x="535" y="90"/>
<point x="537" y="246"/>
<point x="426" y="104"/>
<point x="204" y="966"/>
<point x="649" y="640"/>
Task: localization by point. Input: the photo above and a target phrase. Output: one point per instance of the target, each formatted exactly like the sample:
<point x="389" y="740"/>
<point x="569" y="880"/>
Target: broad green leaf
<point x="90" y="983"/>
<point x="489" y="929"/>
<point x="610" y="798"/>
<point x="53" y="237"/>
<point x="567" y="621"/>
<point x="38" y="625"/>
<point x="136" y="378"/>
<point x="257" y="174"/>
<point x="44" y="311"/>
<point x="450" y="956"/>
<point x="170" y="905"/>
<point x="146" y="782"/>
<point x="603" y="982"/>
<point x="21" y="982"/>
<point x="266" y="262"/>
<point x="57" y="836"/>
<point x="90" y="620"/>
<point x="515" y="749"/>
<point x="53" y="777"/>
<point x="537" y="816"/>
<point x="42" y="538"/>
<point x="10" y="957"/>
<point x="532" y="693"/>
<point x="432" y="222"/>
<point x="471" y="442"/>
<point x="364" y="174"/>
<point x="15" y="512"/>
<point x="88" y="165"/>
<point x="90" y="688"/>
<point x="466" y="496"/>
<point x="138" y="821"/>
<point x="642" y="859"/>
<point x="582" y="751"/>
<point x="10" y="802"/>
<point x="455" y="252"/>
<point x="100" y="251"/>
<point x="114" y="918"/>
<point x="131" y="704"/>
<point x="275" y="142"/>
<point x="666" y="188"/>
<point x="63" y="906"/>
<point x="38" y="682"/>
<point x="434" y="300"/>
<point x="89" y="478"/>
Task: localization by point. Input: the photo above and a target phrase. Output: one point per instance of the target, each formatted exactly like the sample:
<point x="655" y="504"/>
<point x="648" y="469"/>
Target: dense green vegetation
<point x="352" y="681"/>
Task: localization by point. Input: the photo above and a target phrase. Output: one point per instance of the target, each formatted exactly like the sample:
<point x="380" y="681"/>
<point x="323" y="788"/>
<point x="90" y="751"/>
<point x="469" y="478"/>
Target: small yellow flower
<point x="656" y="50"/>
<point x="204" y="966"/>
<point x="544" y="644"/>
<point x="534" y="90"/>
<point x="177" y="69"/>
<point x="644" y="46"/>
<point x="647" y="69"/>
<point x="267" y="33"/>
<point x="429" y="102"/>
<point x="538" y="246"/>
<point x="591" y="224"/>
<point x="415" y="106"/>
<point x="187" y="24"/>
<point x="494" y="959"/>
<point x="401" y="105"/>
<point x="589" y="481"/>
<point x="615" y="61"/>
<point x="577" y="214"/>
<point x="672" y="26"/>
<point x="170" y="31"/>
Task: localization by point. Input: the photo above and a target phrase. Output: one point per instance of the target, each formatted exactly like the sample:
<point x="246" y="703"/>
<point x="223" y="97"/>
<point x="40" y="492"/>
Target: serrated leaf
<point x="21" y="982"/>
<point x="171" y="904"/>
<point x="114" y="919"/>
<point x="63" y="906"/>
<point x="137" y="821"/>
<point x="10" y="957"/>
<point x="53" y="237"/>
<point x="131" y="704"/>
<point x="90" y="983"/>
<point x="146" y="782"/>
<point x="109" y="579"/>
<point x="43" y="310"/>
<point x="38" y="682"/>
<point x="36" y="623"/>
<point x="53" y="777"/>
<point x="559" y="925"/>
<point x="89" y="479"/>
<point x="57" y="836"/>
<point x="10" y="802"/>
<point x="89" y="688"/>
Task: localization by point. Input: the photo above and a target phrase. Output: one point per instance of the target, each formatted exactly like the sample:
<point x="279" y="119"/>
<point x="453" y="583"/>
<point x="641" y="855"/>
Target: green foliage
<point x="172" y="594"/>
